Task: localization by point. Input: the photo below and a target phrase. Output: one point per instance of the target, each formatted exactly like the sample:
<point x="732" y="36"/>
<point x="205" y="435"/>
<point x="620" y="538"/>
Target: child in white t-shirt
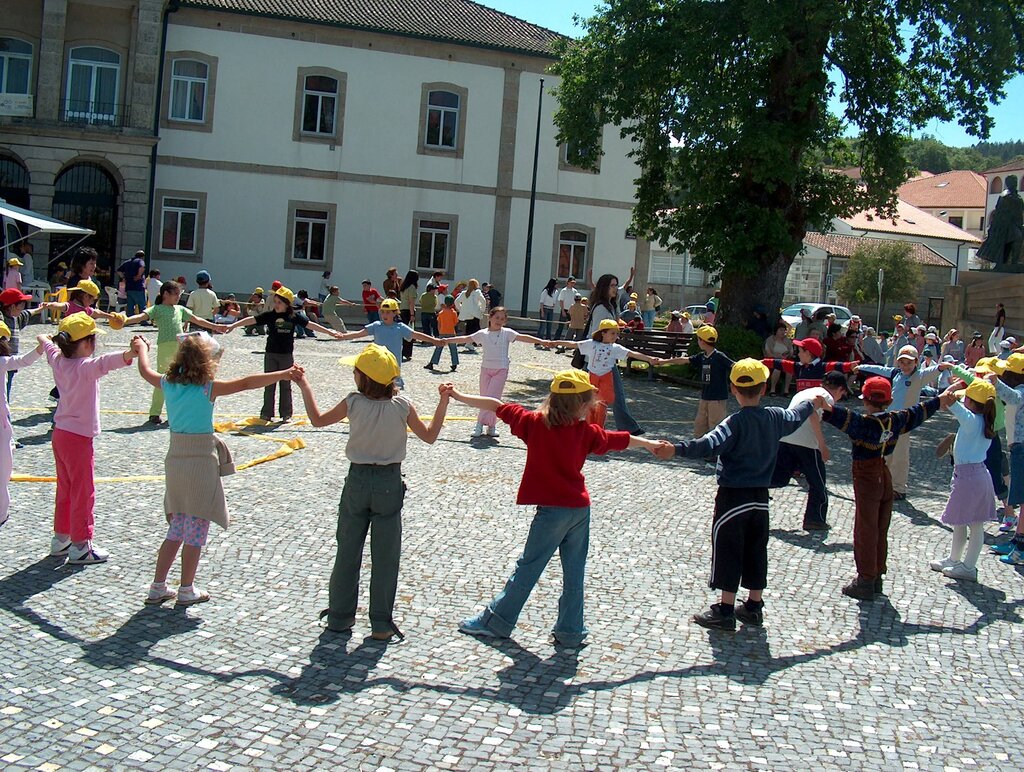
<point x="495" y="340"/>
<point x="602" y="352"/>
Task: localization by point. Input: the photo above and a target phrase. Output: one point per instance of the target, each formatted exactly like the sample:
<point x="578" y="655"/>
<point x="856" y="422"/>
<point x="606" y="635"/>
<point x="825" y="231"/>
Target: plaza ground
<point x="927" y="677"/>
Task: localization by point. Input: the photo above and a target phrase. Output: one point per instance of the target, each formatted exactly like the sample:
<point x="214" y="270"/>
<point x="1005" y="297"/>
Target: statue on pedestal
<point x="1002" y="246"/>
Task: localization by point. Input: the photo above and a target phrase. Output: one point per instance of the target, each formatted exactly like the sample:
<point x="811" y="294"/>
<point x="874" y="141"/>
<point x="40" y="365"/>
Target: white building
<point x="299" y="137"/>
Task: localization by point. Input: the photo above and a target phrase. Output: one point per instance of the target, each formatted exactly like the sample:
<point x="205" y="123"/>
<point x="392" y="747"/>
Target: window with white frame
<point x="15" y="66"/>
<point x="189" y="82"/>
<point x="179" y="225"/>
<point x="573" y="247"/>
<point x="93" y="82"/>
<point x="319" y="105"/>
<point x="432" y="240"/>
<point x="309" y="235"/>
<point x="672" y="268"/>
<point x="442" y="127"/>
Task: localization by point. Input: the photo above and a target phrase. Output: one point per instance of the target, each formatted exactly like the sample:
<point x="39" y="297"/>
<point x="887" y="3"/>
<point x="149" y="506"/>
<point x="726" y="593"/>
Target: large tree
<point x="727" y="104"/>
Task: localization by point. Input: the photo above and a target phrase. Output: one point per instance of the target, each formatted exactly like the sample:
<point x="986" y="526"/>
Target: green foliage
<point x="726" y="105"/>
<point x="929" y="155"/>
<point x="735" y="342"/>
<point x="859" y="283"/>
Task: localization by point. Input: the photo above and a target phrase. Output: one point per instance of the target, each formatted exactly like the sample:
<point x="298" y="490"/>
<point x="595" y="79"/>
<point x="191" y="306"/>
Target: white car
<point x="792" y="313"/>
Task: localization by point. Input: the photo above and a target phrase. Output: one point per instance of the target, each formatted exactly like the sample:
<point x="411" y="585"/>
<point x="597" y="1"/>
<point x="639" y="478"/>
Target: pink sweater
<point x="78" y="381"/>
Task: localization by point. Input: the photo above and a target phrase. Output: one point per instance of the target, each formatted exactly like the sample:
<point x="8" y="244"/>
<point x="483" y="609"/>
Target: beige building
<point x="957" y="197"/>
<point x="77" y="116"/>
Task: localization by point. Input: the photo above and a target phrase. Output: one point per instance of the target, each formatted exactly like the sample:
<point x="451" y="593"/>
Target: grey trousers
<point x="272" y="363"/>
<point x="370" y="502"/>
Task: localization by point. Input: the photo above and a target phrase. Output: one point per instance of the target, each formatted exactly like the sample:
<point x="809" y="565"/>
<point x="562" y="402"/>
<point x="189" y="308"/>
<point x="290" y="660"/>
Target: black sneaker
<point x="155" y="419"/>
<point x="860" y="589"/>
<point x="815" y="525"/>
<point x="714" y="619"/>
<point x="429" y="367"/>
<point x="748" y="617"/>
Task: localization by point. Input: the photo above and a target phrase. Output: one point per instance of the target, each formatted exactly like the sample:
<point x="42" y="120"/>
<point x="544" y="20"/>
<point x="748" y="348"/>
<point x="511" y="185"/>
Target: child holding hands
<point x="558" y="439"/>
<point x="76" y="422"/>
<point x="374" y="491"/>
<point x="196" y="458"/>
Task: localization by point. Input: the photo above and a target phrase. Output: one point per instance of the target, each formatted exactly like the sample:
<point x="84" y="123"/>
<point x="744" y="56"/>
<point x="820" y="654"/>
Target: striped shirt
<point x="875" y="436"/>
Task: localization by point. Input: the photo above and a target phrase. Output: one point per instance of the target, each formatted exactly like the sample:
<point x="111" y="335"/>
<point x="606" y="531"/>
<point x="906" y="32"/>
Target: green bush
<point x="735" y="342"/>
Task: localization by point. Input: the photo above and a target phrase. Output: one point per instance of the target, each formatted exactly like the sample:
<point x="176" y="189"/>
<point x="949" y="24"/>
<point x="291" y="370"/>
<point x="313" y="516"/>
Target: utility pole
<point x="533" y="206"/>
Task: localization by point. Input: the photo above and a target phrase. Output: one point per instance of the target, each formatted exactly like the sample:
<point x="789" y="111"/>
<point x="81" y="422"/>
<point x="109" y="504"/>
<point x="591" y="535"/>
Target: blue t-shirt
<point x="390" y="336"/>
<point x="189" y="407"/>
<point x="714" y="374"/>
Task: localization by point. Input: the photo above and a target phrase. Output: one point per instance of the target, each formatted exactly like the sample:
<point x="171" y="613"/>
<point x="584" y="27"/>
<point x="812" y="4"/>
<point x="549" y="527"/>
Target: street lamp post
<point x="533" y="206"/>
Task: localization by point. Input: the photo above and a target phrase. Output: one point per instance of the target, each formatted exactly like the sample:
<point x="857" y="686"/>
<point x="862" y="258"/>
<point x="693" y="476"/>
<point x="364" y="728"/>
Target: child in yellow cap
<point x="196" y="458"/>
<point x="9" y="364"/>
<point x="558" y="439"/>
<point x="746" y="444"/>
<point x="281" y="322"/>
<point x="374" y="493"/>
<point x="76" y="422"/>
<point x="972" y="497"/>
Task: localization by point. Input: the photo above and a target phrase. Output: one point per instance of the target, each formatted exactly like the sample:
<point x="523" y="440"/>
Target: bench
<point x="654" y="343"/>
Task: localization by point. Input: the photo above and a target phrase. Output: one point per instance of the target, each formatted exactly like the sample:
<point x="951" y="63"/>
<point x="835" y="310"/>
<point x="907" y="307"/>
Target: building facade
<point x="957" y="197"/>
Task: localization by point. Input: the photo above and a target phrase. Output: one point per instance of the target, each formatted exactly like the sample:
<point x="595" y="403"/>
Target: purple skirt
<point x="972" y="497"/>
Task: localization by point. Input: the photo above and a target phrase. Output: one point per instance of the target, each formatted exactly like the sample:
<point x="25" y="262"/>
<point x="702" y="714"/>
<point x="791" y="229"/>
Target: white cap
<point x="909" y="352"/>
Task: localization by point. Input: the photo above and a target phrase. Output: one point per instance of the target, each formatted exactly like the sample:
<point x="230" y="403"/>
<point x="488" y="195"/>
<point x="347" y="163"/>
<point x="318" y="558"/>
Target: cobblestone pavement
<point x="927" y="678"/>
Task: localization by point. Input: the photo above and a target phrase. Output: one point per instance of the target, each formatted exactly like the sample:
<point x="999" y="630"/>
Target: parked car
<point x="696" y="314"/>
<point x="791" y="314"/>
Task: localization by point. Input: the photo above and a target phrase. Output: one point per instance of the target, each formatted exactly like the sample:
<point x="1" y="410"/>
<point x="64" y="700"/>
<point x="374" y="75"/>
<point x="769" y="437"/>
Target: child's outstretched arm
<point x="553" y="343"/>
<point x="149" y="375"/>
<point x="222" y="329"/>
<point x="316" y="418"/>
<point x="255" y="381"/>
<point x="475" y="400"/>
<point x="325" y="330"/>
<point x="662" y="449"/>
<point x="429" y="433"/>
<point x="245" y="322"/>
<point x="523" y="337"/>
<point x="651" y="360"/>
<point x="351" y="335"/>
<point x="424" y="338"/>
<point x="683" y="360"/>
<point x="456" y="340"/>
<point x="137" y="318"/>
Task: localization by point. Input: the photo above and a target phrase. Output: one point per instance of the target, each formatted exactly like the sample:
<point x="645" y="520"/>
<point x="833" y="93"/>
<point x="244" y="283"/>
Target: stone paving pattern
<point x="927" y="678"/>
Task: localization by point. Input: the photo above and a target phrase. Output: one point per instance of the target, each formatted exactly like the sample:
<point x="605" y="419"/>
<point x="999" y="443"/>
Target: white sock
<point x="974" y="545"/>
<point x="185" y="588"/>
<point x="956" y="546"/>
<point x="159" y="585"/>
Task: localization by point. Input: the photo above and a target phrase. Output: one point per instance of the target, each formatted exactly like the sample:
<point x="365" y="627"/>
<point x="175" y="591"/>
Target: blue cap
<point x="203" y="276"/>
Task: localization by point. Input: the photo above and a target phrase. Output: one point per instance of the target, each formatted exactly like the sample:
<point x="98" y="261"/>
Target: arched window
<point x="996" y="186"/>
<point x="319" y="105"/>
<point x="15" y="66"/>
<point x="442" y="119"/>
<point x="189" y="81"/>
<point x="572" y="253"/>
<point x="86" y="194"/>
<point x="94" y="76"/>
<point x="14" y="181"/>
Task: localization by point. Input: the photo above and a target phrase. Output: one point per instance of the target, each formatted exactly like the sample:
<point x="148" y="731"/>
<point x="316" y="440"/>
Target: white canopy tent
<point x="39" y="223"/>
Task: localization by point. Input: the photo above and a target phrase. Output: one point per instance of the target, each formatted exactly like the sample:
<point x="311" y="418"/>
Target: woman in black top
<point x="83" y="266"/>
<point x="999" y="332"/>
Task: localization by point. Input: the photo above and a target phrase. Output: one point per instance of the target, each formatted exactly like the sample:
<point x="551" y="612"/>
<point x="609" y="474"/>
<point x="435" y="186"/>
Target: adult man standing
<point x="566" y="297"/>
<point x="134" y="272"/>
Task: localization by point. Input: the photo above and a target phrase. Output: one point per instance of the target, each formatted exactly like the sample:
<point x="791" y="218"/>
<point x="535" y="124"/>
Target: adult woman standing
<point x="603" y="306"/>
<point x="392" y="284"/>
<point x="83" y="266"/>
<point x="998" y="332"/>
<point x="911" y="320"/>
<point x="650" y="307"/>
<point x="953" y="346"/>
<point x="472" y="307"/>
<point x="407" y="294"/>
<point x="778" y="346"/>
<point x="548" y="300"/>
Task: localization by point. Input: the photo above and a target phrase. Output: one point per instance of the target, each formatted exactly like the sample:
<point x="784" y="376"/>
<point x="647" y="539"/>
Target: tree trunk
<point x="742" y="292"/>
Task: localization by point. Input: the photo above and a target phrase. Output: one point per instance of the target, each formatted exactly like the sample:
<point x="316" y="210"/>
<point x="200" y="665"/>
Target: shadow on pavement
<point x="811" y="540"/>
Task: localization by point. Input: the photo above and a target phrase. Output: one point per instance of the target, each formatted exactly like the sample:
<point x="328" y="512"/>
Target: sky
<point x="557" y="15"/>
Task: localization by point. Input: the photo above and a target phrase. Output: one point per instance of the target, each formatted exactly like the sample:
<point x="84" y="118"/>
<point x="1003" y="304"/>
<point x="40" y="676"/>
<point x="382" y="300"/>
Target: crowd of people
<point x="753" y="449"/>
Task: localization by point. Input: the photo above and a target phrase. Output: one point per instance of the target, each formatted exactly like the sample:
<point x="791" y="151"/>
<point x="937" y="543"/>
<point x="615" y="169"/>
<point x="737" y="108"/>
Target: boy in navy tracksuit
<point x="746" y="444"/>
<point x="809" y="369"/>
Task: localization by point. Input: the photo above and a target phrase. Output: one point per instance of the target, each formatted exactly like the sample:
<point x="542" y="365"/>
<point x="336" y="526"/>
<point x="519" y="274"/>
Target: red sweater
<point x="555" y="456"/>
<point x="371" y="300"/>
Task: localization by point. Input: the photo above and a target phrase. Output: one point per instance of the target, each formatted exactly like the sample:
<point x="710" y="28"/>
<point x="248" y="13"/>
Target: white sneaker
<point x="478" y="430"/>
<point x="59" y="547"/>
<point x="88" y="555"/>
<point x="189" y="596"/>
<point x="487" y="430"/>
<point x="938" y="565"/>
<point x="494" y="432"/>
<point x="960" y="571"/>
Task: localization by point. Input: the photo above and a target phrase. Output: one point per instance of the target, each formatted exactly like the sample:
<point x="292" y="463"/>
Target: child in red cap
<point x="809" y="369"/>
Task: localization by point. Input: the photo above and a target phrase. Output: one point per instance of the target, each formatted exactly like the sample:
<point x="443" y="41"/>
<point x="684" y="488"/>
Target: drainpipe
<point x="172" y="7"/>
<point x="956" y="268"/>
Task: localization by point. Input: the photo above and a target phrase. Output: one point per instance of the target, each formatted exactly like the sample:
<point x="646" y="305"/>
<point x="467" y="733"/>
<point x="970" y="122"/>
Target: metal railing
<point x="86" y="112"/>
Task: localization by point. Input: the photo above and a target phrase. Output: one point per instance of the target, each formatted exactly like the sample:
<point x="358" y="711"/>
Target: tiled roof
<point x="461" y="22"/>
<point x="910" y="221"/>
<point x="955" y="190"/>
<point x="1016" y="165"/>
<point x="843" y="246"/>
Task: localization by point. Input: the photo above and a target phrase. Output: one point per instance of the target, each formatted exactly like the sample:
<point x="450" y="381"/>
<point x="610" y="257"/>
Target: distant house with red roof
<point x="957" y="197"/>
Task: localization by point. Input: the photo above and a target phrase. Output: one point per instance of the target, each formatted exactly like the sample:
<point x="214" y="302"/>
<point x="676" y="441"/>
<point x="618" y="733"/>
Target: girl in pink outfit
<point x="494" y="368"/>
<point x="9" y="364"/>
<point x="76" y="422"/>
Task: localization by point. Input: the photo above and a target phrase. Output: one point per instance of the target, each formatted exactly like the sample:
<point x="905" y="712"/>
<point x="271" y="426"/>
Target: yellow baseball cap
<point x="15" y="261"/>
<point x="285" y="294"/>
<point x="258" y="291"/>
<point x="980" y="391"/>
<point x="78" y="326"/>
<point x="748" y="372"/>
<point x="5" y="331"/>
<point x="707" y="333"/>
<point x="375" y="362"/>
<point x="1014" y="363"/>
<point x="607" y="324"/>
<point x="88" y="286"/>
<point x="633" y="296"/>
<point x="571" y="381"/>
<point x="389" y="305"/>
<point x="116" y="321"/>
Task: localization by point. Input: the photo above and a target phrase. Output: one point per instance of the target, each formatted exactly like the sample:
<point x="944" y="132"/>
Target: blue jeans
<point x="994" y="464"/>
<point x="648" y="317"/>
<point x="428" y="323"/>
<point x="372" y="316"/>
<point x="435" y="358"/>
<point x="136" y="302"/>
<point x="1016" y="496"/>
<point x="566" y="529"/>
<point x="563" y="319"/>
<point x="544" y="330"/>
<point x="624" y="421"/>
